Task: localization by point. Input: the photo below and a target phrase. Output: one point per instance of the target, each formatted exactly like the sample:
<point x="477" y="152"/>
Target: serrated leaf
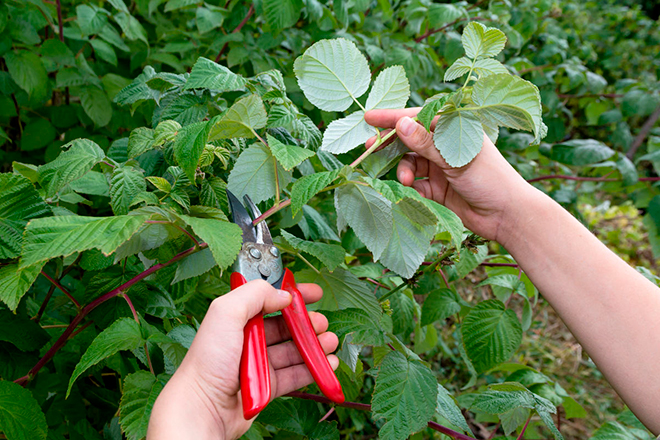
<point x="331" y="255"/>
<point x="79" y="157"/>
<point x="224" y="238"/>
<point x="390" y="90"/>
<point x="431" y="109"/>
<point x="363" y="328"/>
<point x="282" y="14"/>
<point x="212" y="193"/>
<point x="166" y="131"/>
<point x="439" y="305"/>
<point x="446" y="406"/>
<point x="613" y="431"/>
<point x="489" y="66"/>
<point x="21" y="417"/>
<point x="194" y="265"/>
<point x="345" y="134"/>
<point x="459" y="137"/>
<point x="126" y="183"/>
<point x="368" y="213"/>
<point x="481" y="41"/>
<point x="332" y="74"/>
<point x="93" y="183"/>
<point x="149" y="237"/>
<point x="140" y="141"/>
<point x="379" y="163"/>
<point x="240" y="121"/>
<point x="579" y="152"/>
<point x="289" y="156"/>
<point x="491" y="334"/>
<point x="160" y="183"/>
<point x="460" y="67"/>
<point x="207" y="74"/>
<point x="138" y="90"/>
<point x="499" y="402"/>
<point x="123" y="334"/>
<point x="405" y="395"/>
<point x="299" y="417"/>
<point x="188" y="146"/>
<point x="15" y="283"/>
<point x="341" y="290"/>
<point x="208" y="19"/>
<point x="140" y="392"/>
<point x="308" y="186"/>
<point x="51" y="237"/>
<point x="131" y="27"/>
<point x="91" y="18"/>
<point x="19" y="202"/>
<point x="254" y="174"/>
<point x="27" y="70"/>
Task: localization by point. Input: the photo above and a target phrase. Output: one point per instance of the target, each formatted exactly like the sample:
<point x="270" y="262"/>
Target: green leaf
<point x="140" y="392"/>
<point x="206" y="74"/>
<point x="173" y="5"/>
<point x="332" y="74"/>
<point x="579" y="152"/>
<point x="489" y="66"/>
<point x="140" y="141"/>
<point x="459" y="137"/>
<point x="341" y="290"/>
<point x="447" y="221"/>
<point x="189" y="145"/>
<point x="491" y="334"/>
<point x="123" y="334"/>
<point x="213" y="193"/>
<point x="208" y="19"/>
<point x="126" y="183"/>
<point x="91" y="19"/>
<point x="131" y="27"/>
<point x="22" y="332"/>
<point x="299" y="417"/>
<point x="331" y="255"/>
<point x="405" y="396"/>
<point x="308" y="186"/>
<point x="613" y="431"/>
<point x="28" y="71"/>
<point x="254" y="174"/>
<point x="446" y="406"/>
<point x="390" y="90"/>
<point x="460" y="67"/>
<point x="282" y="14"/>
<point x="93" y="183"/>
<point x="224" y="238"/>
<point x="368" y="213"/>
<point x="379" y="163"/>
<point x="194" y="265"/>
<point x="77" y="158"/>
<point x="344" y="134"/>
<point x="363" y="327"/>
<point x="440" y="305"/>
<point x="165" y="131"/>
<point x="51" y="237"/>
<point x="439" y="14"/>
<point x="21" y="417"/>
<point x="37" y="134"/>
<point x="499" y="402"/>
<point x="19" y="202"/>
<point x="289" y="156"/>
<point x="150" y="236"/>
<point x="15" y="283"/>
<point x="241" y="120"/>
<point x="104" y="51"/>
<point x="481" y="41"/>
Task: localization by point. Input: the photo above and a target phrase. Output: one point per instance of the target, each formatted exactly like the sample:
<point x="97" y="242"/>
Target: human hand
<point x="482" y="193"/>
<point x="202" y="399"/>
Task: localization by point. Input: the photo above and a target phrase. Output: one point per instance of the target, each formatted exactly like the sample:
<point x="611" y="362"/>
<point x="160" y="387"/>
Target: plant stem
<point x="371" y="149"/>
<point x="58" y="4"/>
<point x="238" y="29"/>
<point x="524" y="428"/>
<point x="366" y="407"/>
<point x="499" y="264"/>
<point x="643" y="133"/>
<point x="281" y="205"/>
<point x="137" y="319"/>
<point x="59" y="286"/>
<point x="62" y="340"/>
<point x="299" y="255"/>
<point x="588" y="179"/>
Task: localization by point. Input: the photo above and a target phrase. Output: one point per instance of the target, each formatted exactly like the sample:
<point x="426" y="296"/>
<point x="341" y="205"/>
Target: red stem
<point x="91" y="306"/>
<point x="271" y="211"/>
<point x="366" y="407"/>
<point x="524" y="428"/>
<point x="137" y="319"/>
<point x="238" y="29"/>
<point x="59" y="20"/>
<point x="59" y="286"/>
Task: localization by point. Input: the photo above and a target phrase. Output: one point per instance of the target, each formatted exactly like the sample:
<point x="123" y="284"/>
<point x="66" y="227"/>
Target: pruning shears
<point x="260" y="259"/>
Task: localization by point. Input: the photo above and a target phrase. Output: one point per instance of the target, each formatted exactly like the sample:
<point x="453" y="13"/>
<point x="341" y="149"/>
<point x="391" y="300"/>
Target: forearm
<point x="610" y="308"/>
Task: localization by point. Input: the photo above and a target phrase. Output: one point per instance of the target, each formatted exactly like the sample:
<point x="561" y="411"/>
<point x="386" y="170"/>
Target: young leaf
<point x="308" y="186"/>
<point x="363" y="328"/>
<point x="289" y="156"/>
<point x="188" y="146"/>
<point x="282" y="14"/>
<point x="224" y="238"/>
<point x="123" y="334"/>
<point x="460" y="67"/>
<point x="440" y="305"/>
<point x="481" y="41"/>
<point x="459" y="137"/>
<point x="28" y="71"/>
<point x="15" y="283"/>
<point x="140" y="392"/>
<point x="19" y="202"/>
<point x="344" y="134"/>
<point x="405" y="395"/>
<point x="51" y="237"/>
<point x="255" y="172"/>
<point x="489" y="66"/>
<point x="332" y="74"/>
<point x="446" y="406"/>
<point x="21" y="417"/>
<point x="165" y="131"/>
<point x="140" y="141"/>
<point x="368" y="213"/>
<point x="390" y="90"/>
<point x="77" y="158"/>
<point x="206" y="74"/>
<point x="246" y="115"/>
<point x="491" y="334"/>
<point x="331" y="255"/>
<point x="160" y="183"/>
<point x="127" y="182"/>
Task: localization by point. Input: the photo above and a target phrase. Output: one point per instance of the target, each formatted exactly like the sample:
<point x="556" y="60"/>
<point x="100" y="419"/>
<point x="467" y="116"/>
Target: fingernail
<point x="407" y="126"/>
<point x="399" y="175"/>
<point x="283" y="293"/>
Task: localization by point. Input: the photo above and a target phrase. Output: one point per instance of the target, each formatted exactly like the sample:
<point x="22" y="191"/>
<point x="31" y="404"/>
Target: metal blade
<point x="263" y="233"/>
<point x="241" y="217"/>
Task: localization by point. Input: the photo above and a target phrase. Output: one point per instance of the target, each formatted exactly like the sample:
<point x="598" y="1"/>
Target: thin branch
<point x="524" y="428"/>
<point x="588" y="179"/>
<point x="371" y="280"/>
<point x="137" y="319"/>
<point x="44" y="304"/>
<point x="238" y="29"/>
<point x="59" y="286"/>
<point x="59" y="20"/>
<point x="328" y="414"/>
<point x="366" y="407"/>
<point x="18" y="114"/>
<point x="61" y="341"/>
<point x="643" y="133"/>
<point x="283" y="204"/>
<point x="444" y="277"/>
<point x="499" y="264"/>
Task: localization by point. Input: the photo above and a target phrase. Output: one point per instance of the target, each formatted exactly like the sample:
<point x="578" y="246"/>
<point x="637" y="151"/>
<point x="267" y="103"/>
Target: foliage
<point x="121" y="126"/>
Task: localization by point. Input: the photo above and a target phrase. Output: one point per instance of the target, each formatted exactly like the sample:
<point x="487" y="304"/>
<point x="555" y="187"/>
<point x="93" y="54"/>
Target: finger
<point x="242" y="303"/>
<point x="410" y="167"/>
<point x="291" y="378"/>
<point x="310" y="292"/>
<point x="415" y="137"/>
<point x="287" y="354"/>
<point x="386" y="118"/>
<point x="277" y="331"/>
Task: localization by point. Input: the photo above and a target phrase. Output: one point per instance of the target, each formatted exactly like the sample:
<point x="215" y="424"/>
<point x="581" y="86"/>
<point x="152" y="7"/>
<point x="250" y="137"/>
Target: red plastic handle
<point x="254" y="373"/>
<point x="304" y="336"/>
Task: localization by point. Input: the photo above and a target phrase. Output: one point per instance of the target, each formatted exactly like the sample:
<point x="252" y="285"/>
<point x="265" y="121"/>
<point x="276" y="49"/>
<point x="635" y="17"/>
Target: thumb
<point x="245" y="302"/>
<point x="419" y="140"/>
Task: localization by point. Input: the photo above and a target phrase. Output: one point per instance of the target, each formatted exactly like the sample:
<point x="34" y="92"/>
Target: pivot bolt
<point x="255" y="253"/>
<point x="275" y="251"/>
<point x="264" y="270"/>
